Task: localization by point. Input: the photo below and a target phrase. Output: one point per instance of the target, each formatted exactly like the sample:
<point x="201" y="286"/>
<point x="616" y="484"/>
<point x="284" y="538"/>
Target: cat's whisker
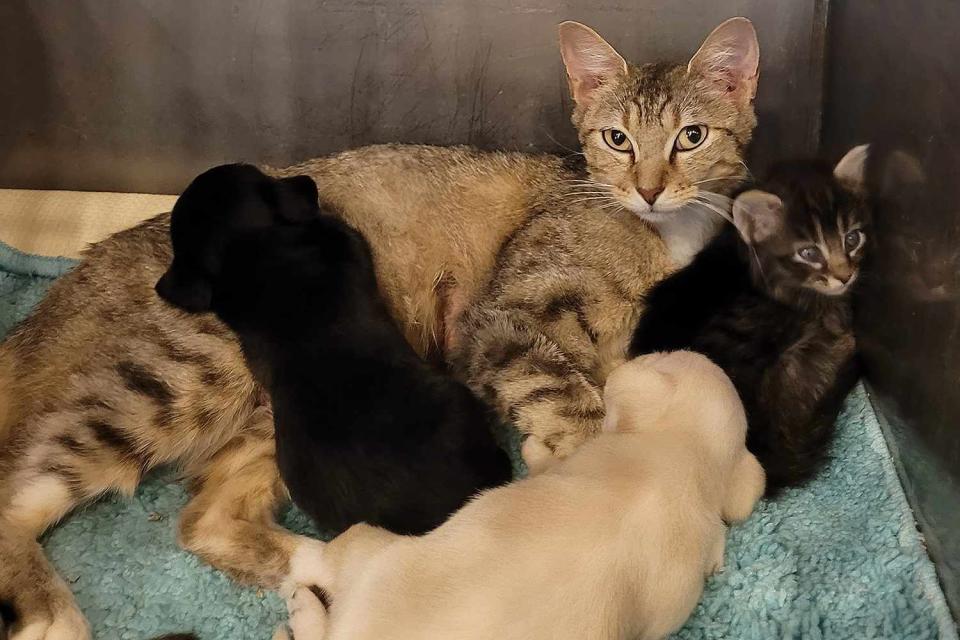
<point x="592" y="199"/>
<point x="580" y="193"/>
<point x="589" y="183"/>
<point x="729" y="178"/>
<point x="713" y="195"/>
<point x="573" y="152"/>
<point x="712" y="207"/>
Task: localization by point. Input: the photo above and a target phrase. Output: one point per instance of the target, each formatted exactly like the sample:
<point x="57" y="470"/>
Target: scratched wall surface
<point x="142" y="94"/>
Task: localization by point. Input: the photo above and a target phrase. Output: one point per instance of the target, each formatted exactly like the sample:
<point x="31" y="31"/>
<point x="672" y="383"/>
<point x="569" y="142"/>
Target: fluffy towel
<point x="838" y="559"/>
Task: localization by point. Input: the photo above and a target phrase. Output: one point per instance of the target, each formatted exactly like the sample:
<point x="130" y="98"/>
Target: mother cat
<point x="104" y="381"/>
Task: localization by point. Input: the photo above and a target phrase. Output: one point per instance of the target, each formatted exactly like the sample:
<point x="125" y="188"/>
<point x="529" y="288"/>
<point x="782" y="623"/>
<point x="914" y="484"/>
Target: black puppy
<point x="366" y="431"/>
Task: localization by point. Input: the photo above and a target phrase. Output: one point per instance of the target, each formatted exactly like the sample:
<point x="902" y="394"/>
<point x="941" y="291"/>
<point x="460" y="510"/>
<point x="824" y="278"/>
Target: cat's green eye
<point x="617" y="140"/>
<point x="810" y="254"/>
<point x="690" y="137"/>
<point x="853" y="240"/>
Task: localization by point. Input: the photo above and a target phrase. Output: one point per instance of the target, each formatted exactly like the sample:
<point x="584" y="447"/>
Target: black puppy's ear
<point x="299" y="203"/>
<point x="188" y="291"/>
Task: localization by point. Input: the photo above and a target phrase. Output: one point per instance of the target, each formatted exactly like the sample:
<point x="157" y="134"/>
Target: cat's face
<point x="657" y="137"/>
<point x="808" y="226"/>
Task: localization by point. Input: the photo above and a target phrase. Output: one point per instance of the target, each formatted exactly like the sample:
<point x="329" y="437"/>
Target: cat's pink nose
<point x="650" y="195"/>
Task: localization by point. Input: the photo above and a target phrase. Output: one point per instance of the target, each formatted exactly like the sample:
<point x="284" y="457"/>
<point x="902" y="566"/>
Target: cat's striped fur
<point x="557" y="317"/>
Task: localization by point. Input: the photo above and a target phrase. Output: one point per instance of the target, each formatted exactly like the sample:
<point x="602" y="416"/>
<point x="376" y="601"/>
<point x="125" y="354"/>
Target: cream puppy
<point x="613" y="542"/>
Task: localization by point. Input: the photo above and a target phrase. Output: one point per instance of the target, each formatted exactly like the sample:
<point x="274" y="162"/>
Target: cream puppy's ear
<point x="744" y="488"/>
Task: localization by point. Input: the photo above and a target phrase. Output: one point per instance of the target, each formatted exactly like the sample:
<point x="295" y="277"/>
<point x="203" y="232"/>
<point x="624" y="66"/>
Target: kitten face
<point x="808" y="229"/>
<point x="827" y="246"/>
<point x="661" y="137"/>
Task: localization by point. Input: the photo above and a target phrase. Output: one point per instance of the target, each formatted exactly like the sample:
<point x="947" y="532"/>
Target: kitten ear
<point x="757" y="215"/>
<point x="589" y="60"/>
<point x="730" y="58"/>
<point x="850" y="171"/>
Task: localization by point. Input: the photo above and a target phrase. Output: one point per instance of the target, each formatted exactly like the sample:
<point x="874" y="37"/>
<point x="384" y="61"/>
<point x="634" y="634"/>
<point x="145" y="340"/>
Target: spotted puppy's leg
<point x="230" y="522"/>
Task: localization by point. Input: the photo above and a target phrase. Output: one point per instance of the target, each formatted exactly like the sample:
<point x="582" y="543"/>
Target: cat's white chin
<point x="655" y="217"/>
<point x="685" y="230"/>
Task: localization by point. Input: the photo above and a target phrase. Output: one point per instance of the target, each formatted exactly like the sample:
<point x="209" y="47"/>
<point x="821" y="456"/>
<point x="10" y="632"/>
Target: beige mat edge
<point x="63" y="223"/>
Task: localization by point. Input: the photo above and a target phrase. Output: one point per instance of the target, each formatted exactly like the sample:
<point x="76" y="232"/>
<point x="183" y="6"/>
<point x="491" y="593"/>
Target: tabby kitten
<point x="770" y="303"/>
<point x="568" y="286"/>
<point x="105" y="381"/>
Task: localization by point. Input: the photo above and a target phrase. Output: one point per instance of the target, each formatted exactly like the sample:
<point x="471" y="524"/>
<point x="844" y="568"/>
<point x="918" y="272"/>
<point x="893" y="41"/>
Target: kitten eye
<point x="690" y="137"/>
<point x="616" y="139"/>
<point x="810" y="254"/>
<point x="853" y="240"/>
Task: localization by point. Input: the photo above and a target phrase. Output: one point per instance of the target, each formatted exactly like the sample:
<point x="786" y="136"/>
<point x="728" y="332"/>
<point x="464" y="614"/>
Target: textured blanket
<point x="840" y="558"/>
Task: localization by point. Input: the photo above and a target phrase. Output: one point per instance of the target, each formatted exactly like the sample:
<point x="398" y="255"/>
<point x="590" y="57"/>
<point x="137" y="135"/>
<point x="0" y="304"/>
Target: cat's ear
<point x="851" y="170"/>
<point x="758" y="215"/>
<point x="730" y="58"/>
<point x="589" y="60"/>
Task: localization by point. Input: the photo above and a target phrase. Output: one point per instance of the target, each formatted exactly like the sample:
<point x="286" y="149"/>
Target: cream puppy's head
<point x="685" y="393"/>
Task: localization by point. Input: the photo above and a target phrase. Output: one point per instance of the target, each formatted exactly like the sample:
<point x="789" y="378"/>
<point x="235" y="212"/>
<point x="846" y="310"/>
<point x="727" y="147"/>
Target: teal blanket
<point x="838" y="559"/>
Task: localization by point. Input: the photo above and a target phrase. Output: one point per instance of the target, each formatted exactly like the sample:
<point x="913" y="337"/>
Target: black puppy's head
<point x="293" y="274"/>
<point x="217" y="206"/>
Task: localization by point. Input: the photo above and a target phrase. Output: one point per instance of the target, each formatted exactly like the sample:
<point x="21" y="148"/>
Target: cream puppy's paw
<point x="308" y="615"/>
<point x="307" y="568"/>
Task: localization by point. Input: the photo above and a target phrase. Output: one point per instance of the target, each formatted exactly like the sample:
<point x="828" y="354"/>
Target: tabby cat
<point x="770" y="303"/>
<point x="557" y="315"/>
<point x="105" y="381"/>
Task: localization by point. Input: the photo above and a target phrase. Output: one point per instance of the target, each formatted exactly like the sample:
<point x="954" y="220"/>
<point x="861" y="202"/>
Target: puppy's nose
<point x="650" y="195"/>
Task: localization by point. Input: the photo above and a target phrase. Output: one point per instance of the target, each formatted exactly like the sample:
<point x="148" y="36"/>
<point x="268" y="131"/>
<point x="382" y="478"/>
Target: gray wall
<point x="893" y="80"/>
<point x="140" y="95"/>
